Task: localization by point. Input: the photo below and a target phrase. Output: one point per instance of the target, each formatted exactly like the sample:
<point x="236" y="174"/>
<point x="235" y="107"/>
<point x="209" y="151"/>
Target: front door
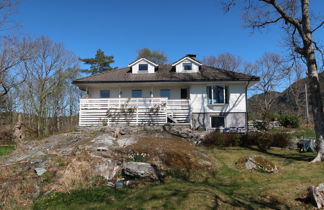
<point x="184" y="93"/>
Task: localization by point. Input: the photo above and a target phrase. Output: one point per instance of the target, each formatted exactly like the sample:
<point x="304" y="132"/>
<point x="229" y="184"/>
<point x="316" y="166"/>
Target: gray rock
<point x="40" y="171"/>
<point x="139" y="170"/>
<point x="119" y="184"/>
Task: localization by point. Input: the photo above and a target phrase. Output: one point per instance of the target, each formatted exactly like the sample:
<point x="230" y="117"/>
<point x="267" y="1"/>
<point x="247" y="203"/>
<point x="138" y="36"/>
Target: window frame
<point x="101" y="93"/>
<point x="142" y="64"/>
<point x="211" y="124"/>
<point x="184" y="64"/>
<point x="141" y="95"/>
<point x="225" y="93"/>
<point x="169" y="93"/>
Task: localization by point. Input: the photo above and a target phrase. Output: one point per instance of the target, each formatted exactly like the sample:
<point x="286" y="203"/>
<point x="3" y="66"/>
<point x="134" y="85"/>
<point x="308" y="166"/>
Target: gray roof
<point x="165" y="73"/>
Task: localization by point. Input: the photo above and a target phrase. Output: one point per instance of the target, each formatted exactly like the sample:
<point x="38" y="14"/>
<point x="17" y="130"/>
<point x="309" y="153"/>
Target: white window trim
<point x="212" y="94"/>
<point x="210" y="121"/>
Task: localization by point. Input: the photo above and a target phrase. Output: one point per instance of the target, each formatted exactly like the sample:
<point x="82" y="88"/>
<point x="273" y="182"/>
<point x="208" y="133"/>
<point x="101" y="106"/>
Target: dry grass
<point x="77" y="173"/>
<point x="16" y="189"/>
<point x="171" y="152"/>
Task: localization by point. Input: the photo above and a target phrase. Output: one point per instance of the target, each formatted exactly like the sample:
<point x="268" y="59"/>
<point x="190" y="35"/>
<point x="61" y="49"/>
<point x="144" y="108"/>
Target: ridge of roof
<point x="139" y="59"/>
<point x="165" y="73"/>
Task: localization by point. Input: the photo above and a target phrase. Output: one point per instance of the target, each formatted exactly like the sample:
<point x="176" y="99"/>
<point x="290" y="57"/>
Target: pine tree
<point x="99" y="63"/>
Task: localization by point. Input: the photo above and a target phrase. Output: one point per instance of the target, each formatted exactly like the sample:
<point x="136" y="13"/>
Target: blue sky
<point x="120" y="28"/>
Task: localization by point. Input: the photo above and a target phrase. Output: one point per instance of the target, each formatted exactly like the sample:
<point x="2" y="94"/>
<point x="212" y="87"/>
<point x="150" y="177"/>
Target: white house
<point x="185" y="92"/>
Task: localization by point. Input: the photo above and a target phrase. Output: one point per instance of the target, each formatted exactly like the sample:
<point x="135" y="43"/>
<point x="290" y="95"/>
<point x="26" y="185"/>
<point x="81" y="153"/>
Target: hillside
<point x="292" y="100"/>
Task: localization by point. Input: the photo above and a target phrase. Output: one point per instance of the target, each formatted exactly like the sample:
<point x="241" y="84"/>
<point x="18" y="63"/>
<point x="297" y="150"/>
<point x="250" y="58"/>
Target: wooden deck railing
<point x="132" y="111"/>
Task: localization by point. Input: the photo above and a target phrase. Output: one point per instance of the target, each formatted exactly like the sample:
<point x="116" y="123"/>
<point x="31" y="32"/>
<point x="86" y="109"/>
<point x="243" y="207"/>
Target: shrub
<point x="289" y="121"/>
<point x="221" y="139"/>
<point x="265" y="140"/>
<point x="280" y="139"/>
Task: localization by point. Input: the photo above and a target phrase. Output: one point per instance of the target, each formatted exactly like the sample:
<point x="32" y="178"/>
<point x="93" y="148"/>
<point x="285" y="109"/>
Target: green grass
<point x="306" y="133"/>
<point x="225" y="188"/>
<point x="4" y="150"/>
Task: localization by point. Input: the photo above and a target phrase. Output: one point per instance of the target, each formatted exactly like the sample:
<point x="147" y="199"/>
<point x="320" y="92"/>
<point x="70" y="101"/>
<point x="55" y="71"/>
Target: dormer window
<point x="187" y="66"/>
<point x="143" y="67"/>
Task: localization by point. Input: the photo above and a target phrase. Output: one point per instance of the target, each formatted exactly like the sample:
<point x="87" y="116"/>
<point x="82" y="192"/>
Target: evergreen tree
<point x="156" y="56"/>
<point x="99" y="63"/>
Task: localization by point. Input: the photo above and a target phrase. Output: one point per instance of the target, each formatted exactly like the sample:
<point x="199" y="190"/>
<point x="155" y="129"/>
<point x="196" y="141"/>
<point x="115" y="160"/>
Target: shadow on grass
<point x="293" y="156"/>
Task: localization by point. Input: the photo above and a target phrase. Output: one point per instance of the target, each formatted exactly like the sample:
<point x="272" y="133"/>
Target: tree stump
<point x="317" y="195"/>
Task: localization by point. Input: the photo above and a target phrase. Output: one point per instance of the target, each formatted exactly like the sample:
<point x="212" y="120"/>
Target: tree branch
<point x="263" y="24"/>
<point x="320" y="25"/>
<point x="285" y="16"/>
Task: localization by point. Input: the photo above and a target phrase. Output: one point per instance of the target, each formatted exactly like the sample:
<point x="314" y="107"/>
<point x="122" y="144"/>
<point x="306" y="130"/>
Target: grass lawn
<point x="225" y="188"/>
<point x="4" y="150"/>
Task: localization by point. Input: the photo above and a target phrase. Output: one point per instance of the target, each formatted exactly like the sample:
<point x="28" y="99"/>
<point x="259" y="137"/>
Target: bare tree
<point x="48" y="72"/>
<point x="295" y="18"/>
<point x="296" y="88"/>
<point x="225" y="61"/>
<point x="13" y="52"/>
<point x="271" y="69"/>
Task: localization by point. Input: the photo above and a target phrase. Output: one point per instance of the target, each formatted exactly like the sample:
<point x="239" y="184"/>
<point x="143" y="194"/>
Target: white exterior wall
<point x="127" y="92"/>
<point x="179" y="67"/>
<point x="151" y="68"/>
<point x="199" y="103"/>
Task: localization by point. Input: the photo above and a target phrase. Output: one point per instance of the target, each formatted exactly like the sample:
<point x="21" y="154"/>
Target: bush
<point x="289" y="121"/>
<point x="222" y="139"/>
<point x="265" y="140"/>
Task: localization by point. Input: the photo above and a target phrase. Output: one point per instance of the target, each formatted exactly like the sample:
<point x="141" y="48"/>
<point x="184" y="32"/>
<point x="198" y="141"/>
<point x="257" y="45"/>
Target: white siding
<point x="179" y="67"/>
<point x="151" y="68"/>
<point x="198" y="100"/>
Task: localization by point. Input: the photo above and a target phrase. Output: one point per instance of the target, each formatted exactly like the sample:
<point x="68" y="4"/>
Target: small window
<point x="165" y="93"/>
<point x="187" y="66"/>
<point x="136" y="93"/>
<point x="104" y="94"/>
<point x="143" y="67"/>
<point x="217" y="122"/>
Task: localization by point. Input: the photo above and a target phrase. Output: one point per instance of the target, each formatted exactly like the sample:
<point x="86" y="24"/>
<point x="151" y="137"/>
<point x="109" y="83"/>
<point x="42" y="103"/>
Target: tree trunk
<point x="314" y="84"/>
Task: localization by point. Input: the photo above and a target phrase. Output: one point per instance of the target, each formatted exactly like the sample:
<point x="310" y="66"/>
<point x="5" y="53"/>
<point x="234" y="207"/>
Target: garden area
<point x="226" y="187"/>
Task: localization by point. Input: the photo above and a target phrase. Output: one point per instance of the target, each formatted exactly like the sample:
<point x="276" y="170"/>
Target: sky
<point x="121" y="27"/>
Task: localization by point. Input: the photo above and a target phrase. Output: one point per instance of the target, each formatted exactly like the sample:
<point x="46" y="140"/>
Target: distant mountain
<point x="292" y="100"/>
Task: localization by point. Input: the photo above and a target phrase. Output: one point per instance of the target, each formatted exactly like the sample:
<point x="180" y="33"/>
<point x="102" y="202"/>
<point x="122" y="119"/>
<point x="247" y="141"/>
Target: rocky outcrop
<point x="140" y="170"/>
<point x="193" y="136"/>
<point x="256" y="162"/>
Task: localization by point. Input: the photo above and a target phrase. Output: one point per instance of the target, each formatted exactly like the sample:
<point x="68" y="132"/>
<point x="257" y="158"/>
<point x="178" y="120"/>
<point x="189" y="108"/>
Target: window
<point x="165" y="93"/>
<point x="104" y="94"/>
<point x="187" y="66"/>
<point x="142" y="67"/>
<point x="217" y="122"/>
<point x="217" y="94"/>
<point x="136" y="93"/>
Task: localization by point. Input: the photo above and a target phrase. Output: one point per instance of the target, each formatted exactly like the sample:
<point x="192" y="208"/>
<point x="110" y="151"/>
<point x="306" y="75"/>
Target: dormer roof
<point x="142" y="59"/>
<point x="187" y="57"/>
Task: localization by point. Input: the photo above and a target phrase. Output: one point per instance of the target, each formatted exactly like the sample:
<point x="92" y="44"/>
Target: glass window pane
<point x="187" y="66"/>
<point x="104" y="94"/>
<point x="209" y="94"/>
<point x="165" y="93"/>
<point x="137" y="93"/>
<point x="217" y="122"/>
<point x="143" y="67"/>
